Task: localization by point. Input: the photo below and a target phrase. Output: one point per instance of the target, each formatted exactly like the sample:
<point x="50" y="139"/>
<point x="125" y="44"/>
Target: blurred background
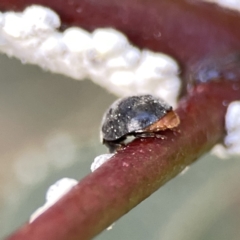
<point x="49" y="128"/>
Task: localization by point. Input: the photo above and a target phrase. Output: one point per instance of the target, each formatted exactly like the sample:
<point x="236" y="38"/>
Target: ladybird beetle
<point x="139" y="116"/>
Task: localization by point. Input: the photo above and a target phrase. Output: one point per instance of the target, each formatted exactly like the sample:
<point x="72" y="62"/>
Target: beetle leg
<point x="148" y="135"/>
<point x="113" y="146"/>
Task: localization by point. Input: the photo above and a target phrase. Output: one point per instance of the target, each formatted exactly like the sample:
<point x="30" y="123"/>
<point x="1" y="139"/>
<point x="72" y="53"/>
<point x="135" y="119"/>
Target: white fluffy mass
<point x="231" y="4"/>
<point x="54" y="193"/>
<point x="99" y="160"/>
<point x="232" y="139"/>
<point x="104" y="56"/>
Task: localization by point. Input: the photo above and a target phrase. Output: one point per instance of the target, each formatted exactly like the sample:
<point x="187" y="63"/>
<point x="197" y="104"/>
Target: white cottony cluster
<point x="231" y="4"/>
<point x="99" y="160"/>
<point x="54" y="193"/>
<point x="105" y="55"/>
<point x="64" y="185"/>
<point x="232" y="139"/>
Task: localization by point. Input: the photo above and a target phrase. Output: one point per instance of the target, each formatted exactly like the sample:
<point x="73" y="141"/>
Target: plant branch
<point x="136" y="171"/>
<point x="191" y="32"/>
<point x="187" y="30"/>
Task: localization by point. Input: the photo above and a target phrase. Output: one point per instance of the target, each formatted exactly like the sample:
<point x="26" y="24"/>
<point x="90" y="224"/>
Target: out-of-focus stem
<point x="187" y="30"/>
<point x="137" y="171"/>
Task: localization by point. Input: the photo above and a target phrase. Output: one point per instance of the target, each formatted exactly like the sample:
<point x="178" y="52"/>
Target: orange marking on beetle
<point x="169" y="121"/>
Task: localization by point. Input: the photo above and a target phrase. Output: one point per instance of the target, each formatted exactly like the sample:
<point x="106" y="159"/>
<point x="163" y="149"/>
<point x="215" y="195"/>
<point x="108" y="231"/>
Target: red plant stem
<point x="136" y="171"/>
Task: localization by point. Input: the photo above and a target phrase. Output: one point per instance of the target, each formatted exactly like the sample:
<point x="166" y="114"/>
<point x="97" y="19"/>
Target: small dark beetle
<point x="141" y="115"/>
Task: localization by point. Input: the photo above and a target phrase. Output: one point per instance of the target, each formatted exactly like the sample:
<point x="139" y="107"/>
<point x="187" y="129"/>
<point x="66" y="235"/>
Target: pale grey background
<point x="37" y="106"/>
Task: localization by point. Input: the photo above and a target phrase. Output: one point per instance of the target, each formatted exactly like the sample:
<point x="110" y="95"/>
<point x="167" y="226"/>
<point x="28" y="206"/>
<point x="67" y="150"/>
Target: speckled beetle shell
<point x="136" y="114"/>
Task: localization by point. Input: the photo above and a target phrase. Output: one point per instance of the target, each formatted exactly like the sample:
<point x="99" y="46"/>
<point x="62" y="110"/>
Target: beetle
<point x="138" y="116"/>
